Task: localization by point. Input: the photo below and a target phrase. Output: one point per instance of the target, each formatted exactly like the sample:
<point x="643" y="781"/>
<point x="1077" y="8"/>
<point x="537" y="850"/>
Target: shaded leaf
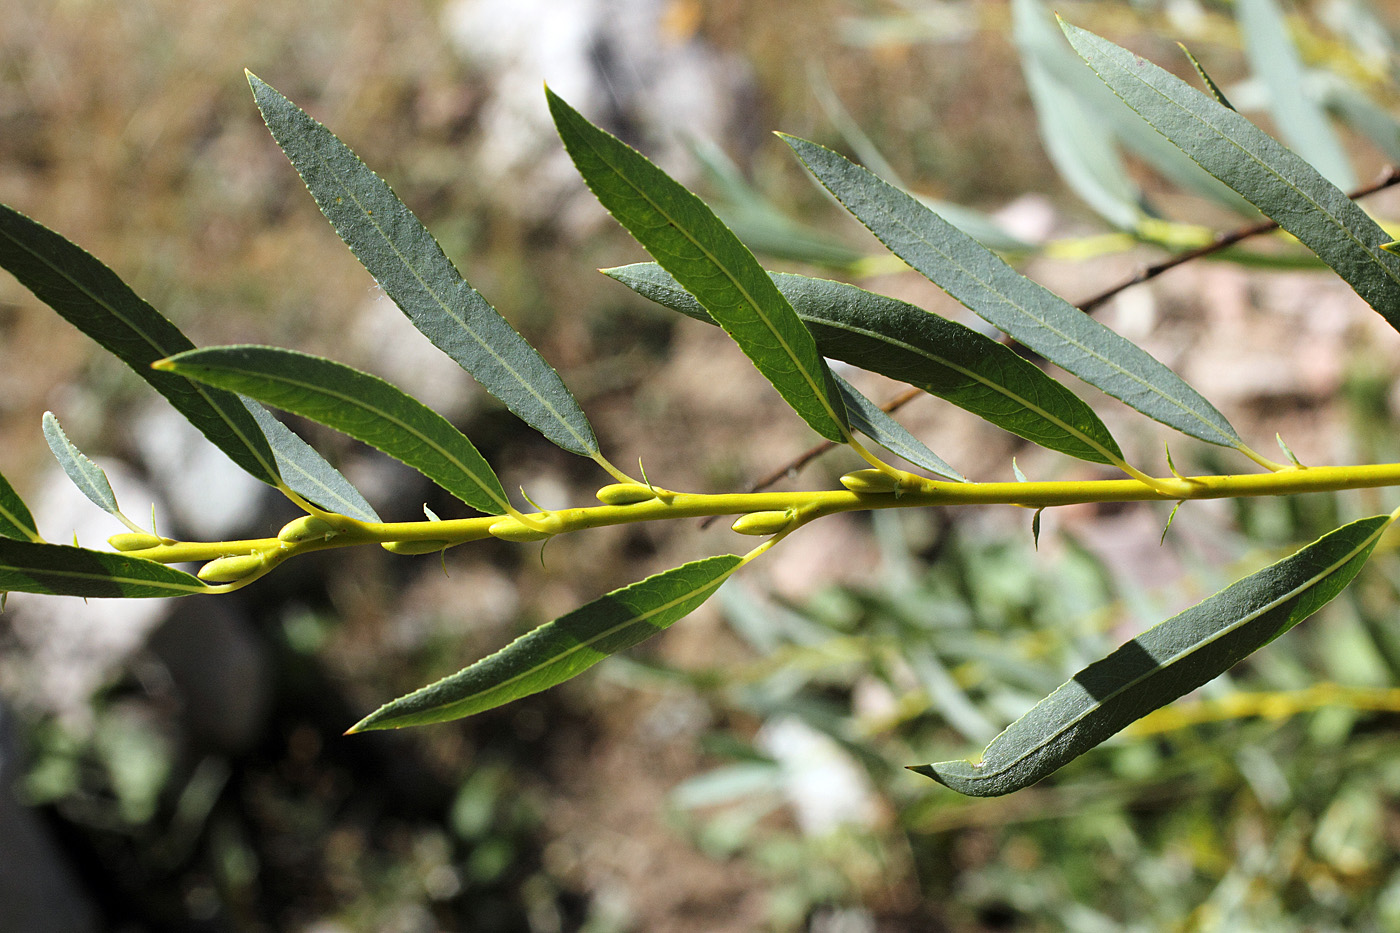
<point x="905" y="342"/>
<point x="95" y="300"/>
<point x="363" y="406"/>
<point x="690" y="242"/>
<point x="307" y="472"/>
<point x="395" y="247"/>
<point x="1301" y="121"/>
<point x="559" y="650"/>
<point x="1027" y="311"/>
<point x="872" y="421"/>
<point x="1277" y="181"/>
<point x="15" y="520"/>
<point x="85" y="474"/>
<point x="1164" y="663"/>
<point x="57" y="569"/>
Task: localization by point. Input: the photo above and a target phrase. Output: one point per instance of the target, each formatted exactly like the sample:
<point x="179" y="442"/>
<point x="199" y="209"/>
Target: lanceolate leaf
<point x="1301" y="120"/>
<point x="363" y="406"/>
<point x="412" y="269"/>
<point x="15" y="520"/>
<point x="692" y="244"/>
<point x="305" y="471"/>
<point x="85" y="474"/>
<point x="561" y="649"/>
<point x="95" y="300"/>
<point x="872" y="421"/>
<point x="1029" y="312"/>
<point x="1275" y="180"/>
<point x="57" y="569"/>
<point x="1164" y="663"/>
<point x="904" y="342"/>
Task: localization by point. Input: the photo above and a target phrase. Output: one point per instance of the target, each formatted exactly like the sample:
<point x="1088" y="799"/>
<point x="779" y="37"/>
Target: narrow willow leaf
<point x="307" y="472"/>
<point x="85" y="474"/>
<point x="363" y="406"/>
<point x="1206" y="79"/>
<point x="561" y="649"/>
<point x="95" y="300"/>
<point x="904" y="342"/>
<point x="395" y="247"/>
<point x="15" y="520"/>
<point x="1164" y="663"/>
<point x="1079" y="142"/>
<point x="1301" y="121"/>
<point x="692" y="244"/>
<point x="1025" y="310"/>
<point x="1070" y="85"/>
<point x="1275" y="180"/>
<point x="57" y="569"/>
<point x="872" y="421"/>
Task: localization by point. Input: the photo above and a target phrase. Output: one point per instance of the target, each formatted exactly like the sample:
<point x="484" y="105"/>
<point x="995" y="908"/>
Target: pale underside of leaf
<point x="57" y="569"/>
<point x="363" y="406"/>
<point x="872" y="421"/>
<point x="1277" y="181"/>
<point x="1032" y="314"/>
<point x="686" y="238"/>
<point x="559" y="650"/>
<point x="1164" y="663"/>
<point x="306" y="472"/>
<point x="904" y="342"/>
<point x="85" y="474"/>
<point x="402" y="256"/>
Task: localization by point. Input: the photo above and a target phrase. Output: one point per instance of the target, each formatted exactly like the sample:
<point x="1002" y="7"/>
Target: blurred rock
<point x="69" y="647"/>
<point x="39" y="892"/>
<point x="220" y="672"/>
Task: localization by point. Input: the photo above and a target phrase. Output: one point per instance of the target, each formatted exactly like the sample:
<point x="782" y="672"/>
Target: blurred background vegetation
<point x="181" y="767"/>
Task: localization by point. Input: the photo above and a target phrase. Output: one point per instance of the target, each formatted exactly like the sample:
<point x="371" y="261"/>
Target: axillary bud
<point x="762" y="523"/>
<point x="131" y="541"/>
<point x="870" y="482"/>
<point x="230" y="569"/>
<point x="624" y="494"/>
<point x="508" y="529"/>
<point x="306" y="528"/>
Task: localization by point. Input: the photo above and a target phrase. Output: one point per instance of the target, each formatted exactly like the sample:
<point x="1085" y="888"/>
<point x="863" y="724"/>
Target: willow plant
<point x="787" y="325"/>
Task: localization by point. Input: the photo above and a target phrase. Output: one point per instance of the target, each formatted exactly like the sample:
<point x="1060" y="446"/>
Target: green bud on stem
<point x="624" y="494"/>
<point x="763" y="523"/>
<point x="508" y="529"/>
<point x="870" y="482"/>
<point x="415" y="547"/>
<point x="231" y="569"/>
<point x="135" y="542"/>
<point x="305" y="528"/>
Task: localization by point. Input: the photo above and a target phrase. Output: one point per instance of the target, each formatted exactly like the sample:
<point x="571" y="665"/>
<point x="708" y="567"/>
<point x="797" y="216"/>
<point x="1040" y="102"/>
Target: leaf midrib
<point x="447" y="308"/>
<point x="569" y="652"/>
<point x="818" y="390"/>
<point x="1161" y="668"/>
<point x="378" y="412"/>
<point x="151" y="342"/>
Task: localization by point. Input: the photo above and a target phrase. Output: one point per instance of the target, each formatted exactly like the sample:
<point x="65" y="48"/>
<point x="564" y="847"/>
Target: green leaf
<point x="1164" y="663"/>
<point x="395" y="247"/>
<point x="559" y="650"/>
<point x="307" y="472"/>
<point x="1301" y="121"/>
<point x="93" y="299"/>
<point x="1027" y="311"/>
<point x="57" y="569"/>
<point x="872" y="421"/>
<point x="1206" y="79"/>
<point x="15" y="520"/>
<point x="85" y="474"/>
<point x="1275" y="180"/>
<point x="904" y="342"/>
<point x="363" y="406"/>
<point x="692" y="244"/>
